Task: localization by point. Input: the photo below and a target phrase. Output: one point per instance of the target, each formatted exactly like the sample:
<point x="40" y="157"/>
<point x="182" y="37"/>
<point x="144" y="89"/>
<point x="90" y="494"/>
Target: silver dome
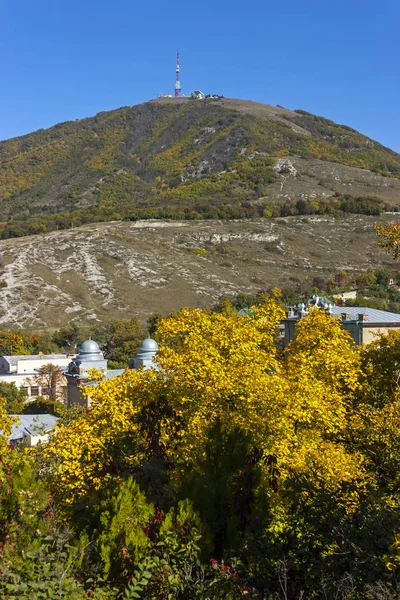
<point x="148" y="345"/>
<point x="90" y="350"/>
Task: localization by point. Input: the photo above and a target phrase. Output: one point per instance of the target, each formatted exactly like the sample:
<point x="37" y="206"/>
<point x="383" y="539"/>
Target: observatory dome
<point x="148" y="345"/>
<point x="89" y="350"/>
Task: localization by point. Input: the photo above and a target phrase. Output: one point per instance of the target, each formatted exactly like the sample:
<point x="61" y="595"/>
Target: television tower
<point x="178" y="77"/>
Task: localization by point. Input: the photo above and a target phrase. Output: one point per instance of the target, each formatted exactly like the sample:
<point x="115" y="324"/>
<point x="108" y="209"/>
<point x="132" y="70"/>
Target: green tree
<point x="68" y="338"/>
<point x="365" y="280"/>
<point x="119" y="340"/>
<point x="13" y="397"/>
<point x="383" y="276"/>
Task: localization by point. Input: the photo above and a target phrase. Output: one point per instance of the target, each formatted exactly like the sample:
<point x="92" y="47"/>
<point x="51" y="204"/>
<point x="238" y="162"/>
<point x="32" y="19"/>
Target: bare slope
<point x="115" y="270"/>
<point x="187" y="159"/>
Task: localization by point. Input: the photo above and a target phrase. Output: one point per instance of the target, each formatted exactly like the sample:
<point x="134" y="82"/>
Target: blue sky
<point x="68" y="59"/>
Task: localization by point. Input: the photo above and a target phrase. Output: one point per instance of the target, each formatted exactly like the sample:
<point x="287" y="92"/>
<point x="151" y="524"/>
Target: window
<point x="45" y="391"/>
<point x="34" y="391"/>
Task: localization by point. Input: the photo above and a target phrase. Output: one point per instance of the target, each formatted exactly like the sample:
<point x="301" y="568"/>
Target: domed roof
<point x="148" y="345"/>
<point x="145" y="356"/>
<point x="88" y="348"/>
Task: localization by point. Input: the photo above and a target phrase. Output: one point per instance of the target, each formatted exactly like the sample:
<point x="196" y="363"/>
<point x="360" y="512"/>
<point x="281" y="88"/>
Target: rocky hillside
<point x="117" y="270"/>
<point x="186" y="159"/>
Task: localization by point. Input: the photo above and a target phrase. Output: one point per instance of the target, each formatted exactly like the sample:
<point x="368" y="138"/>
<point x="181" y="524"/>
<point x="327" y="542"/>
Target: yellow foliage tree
<point x="323" y="371"/>
<point x="5" y="451"/>
<point x="223" y="370"/>
<point x="389" y="235"/>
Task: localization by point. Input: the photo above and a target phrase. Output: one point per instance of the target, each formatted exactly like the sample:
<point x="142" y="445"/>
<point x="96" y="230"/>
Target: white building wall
<point x="22" y="372"/>
<point x="26" y="380"/>
<point x="34" y="440"/>
<point x="34" y="364"/>
<point x="346" y="295"/>
<point x="19" y="380"/>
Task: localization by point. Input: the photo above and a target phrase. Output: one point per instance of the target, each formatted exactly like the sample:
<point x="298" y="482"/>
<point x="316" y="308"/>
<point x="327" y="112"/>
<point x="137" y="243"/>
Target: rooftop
<point x="31" y="425"/>
<point x="17" y="357"/>
<point x="109" y="374"/>
<point x="374" y="315"/>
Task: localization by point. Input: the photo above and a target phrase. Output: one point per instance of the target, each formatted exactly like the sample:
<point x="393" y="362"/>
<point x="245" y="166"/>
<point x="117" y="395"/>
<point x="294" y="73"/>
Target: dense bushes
<point x="198" y="201"/>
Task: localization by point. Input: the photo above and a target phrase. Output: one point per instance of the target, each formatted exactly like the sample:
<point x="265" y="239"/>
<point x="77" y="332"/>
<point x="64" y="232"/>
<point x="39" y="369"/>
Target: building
<point x="197" y="95"/>
<point x="77" y="374"/>
<point x="23" y="371"/>
<point x="91" y="357"/>
<point x="363" y="323"/>
<point x="145" y="357"/>
<point x="351" y="295"/>
<point x="32" y="429"/>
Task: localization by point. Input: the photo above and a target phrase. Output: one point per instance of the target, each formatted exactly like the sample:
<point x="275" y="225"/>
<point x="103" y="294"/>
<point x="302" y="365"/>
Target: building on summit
<point x="91" y="357"/>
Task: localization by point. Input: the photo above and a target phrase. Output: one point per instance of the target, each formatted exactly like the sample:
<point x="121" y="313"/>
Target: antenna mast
<point x="178" y="77"/>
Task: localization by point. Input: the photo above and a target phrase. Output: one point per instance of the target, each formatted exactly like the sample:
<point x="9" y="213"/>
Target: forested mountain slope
<point x="187" y="159"/>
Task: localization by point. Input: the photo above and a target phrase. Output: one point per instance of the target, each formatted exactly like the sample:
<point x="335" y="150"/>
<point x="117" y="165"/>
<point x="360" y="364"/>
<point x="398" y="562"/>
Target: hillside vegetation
<point x="186" y="159"/>
<point x="107" y="271"/>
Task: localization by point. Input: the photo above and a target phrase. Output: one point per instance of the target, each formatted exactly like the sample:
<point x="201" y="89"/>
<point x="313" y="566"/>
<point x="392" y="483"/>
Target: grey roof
<point x="110" y="374"/>
<point x="31" y="425"/>
<point x="374" y="315"/>
<point x="16" y="357"/>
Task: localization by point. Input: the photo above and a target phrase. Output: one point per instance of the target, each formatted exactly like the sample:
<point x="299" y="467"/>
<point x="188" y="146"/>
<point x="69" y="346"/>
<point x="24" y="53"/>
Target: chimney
<point x="345" y="316"/>
<point x="363" y="317"/>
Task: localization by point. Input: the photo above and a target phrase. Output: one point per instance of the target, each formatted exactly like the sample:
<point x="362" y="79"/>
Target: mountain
<point x="188" y="159"/>
<point x="116" y="270"/>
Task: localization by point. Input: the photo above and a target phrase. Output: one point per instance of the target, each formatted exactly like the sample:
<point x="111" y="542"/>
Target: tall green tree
<point x="14" y="398"/>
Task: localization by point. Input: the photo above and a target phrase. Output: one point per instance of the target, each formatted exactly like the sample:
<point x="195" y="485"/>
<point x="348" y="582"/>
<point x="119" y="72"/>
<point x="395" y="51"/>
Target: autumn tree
<point x="389" y="237"/>
<point x="222" y="371"/>
<point x="381" y="370"/>
<point x="42" y="344"/>
<point x="278" y="455"/>
<point x="51" y="379"/>
<point x="13" y="343"/>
